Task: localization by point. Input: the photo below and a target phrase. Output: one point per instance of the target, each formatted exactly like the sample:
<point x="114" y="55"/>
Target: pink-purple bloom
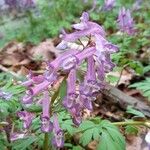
<point x="58" y="139"/>
<point x="26" y="117"/>
<point x="108" y="5"/>
<point x="80" y="94"/>
<point x="71" y="89"/>
<point x="125" y="21"/>
<point x="46" y="125"/>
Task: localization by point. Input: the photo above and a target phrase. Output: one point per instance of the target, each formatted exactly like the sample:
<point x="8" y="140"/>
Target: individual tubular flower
<point x="71" y="97"/>
<point x="32" y="91"/>
<point x="103" y="46"/>
<point x="58" y="139"/>
<point x="90" y="78"/>
<point x="61" y="62"/>
<point x="46" y="125"/>
<point x="125" y="21"/>
<point x="26" y="117"/>
<point x="33" y="80"/>
<point x="108" y="5"/>
<point x="90" y="85"/>
<point x="76" y="113"/>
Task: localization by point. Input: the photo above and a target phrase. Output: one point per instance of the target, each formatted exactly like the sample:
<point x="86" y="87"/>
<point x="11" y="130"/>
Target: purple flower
<point x="58" y="139"/>
<point x="125" y="21"/>
<point x="87" y="100"/>
<point x="108" y="5"/>
<point x="74" y="60"/>
<point x="101" y="71"/>
<point x="26" y="117"/>
<point x="72" y="95"/>
<point x="41" y="83"/>
<point x="96" y="53"/>
<point x="45" y="117"/>
<point x="42" y="86"/>
<point x="90" y="78"/>
<point x="104" y="49"/>
<point x="16" y="136"/>
<point x="65" y="61"/>
<point x="84" y="28"/>
<point x="33" y="80"/>
<point x="27" y="98"/>
<point x="76" y="113"/>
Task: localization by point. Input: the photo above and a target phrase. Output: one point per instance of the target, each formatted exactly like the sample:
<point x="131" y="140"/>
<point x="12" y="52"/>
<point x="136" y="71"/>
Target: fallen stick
<point x="117" y="96"/>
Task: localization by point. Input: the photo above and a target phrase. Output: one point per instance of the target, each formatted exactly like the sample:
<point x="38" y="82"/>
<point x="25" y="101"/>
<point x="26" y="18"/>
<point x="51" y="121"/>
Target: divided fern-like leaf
<point x="104" y="132"/>
<point x="110" y="136"/>
<point x="144" y="86"/>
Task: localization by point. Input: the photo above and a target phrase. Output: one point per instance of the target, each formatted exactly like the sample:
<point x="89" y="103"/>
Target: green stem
<point x="144" y="123"/>
<point x="46" y="142"/>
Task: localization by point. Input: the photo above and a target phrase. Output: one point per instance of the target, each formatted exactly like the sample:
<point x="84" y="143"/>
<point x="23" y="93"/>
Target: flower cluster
<point x="96" y="54"/>
<point x="125" y="21"/>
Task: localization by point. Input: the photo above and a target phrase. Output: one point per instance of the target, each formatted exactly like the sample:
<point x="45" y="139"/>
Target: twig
<point x="81" y="43"/>
<point x="123" y="100"/>
<point x="8" y="71"/>
<point x="124" y="123"/>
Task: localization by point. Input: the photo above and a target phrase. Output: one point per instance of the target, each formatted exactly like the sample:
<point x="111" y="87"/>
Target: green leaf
<point x="129" y="129"/>
<point x="86" y="125"/>
<point x="68" y="126"/>
<point x="86" y="137"/>
<point x="112" y="79"/>
<point x="23" y="143"/>
<point x="110" y="136"/>
<point x="96" y="134"/>
<point x="146" y="69"/>
<point x="143" y="86"/>
<point x="77" y="148"/>
<point x="133" y="111"/>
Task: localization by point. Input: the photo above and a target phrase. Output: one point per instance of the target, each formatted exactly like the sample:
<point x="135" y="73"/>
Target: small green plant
<point x="143" y="86"/>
